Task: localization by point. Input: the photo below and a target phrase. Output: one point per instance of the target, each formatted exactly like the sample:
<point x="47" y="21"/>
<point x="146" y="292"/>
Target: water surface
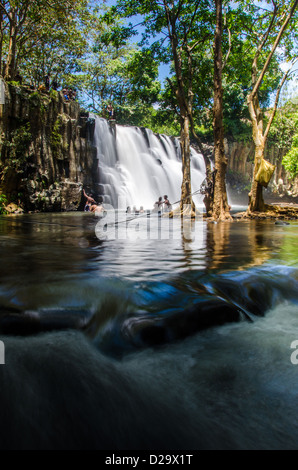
<point x="115" y="329"/>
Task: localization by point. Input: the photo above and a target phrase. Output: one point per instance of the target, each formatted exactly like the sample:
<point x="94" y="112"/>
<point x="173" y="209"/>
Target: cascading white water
<point x="138" y="166"/>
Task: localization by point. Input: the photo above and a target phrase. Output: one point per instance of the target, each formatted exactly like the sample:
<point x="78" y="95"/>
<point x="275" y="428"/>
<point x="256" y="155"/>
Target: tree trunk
<point x="256" y="200"/>
<point x="1" y="39"/>
<point x="11" y="58"/>
<point x="186" y="196"/>
<point x="209" y="182"/>
<point x="221" y="209"/>
<point x="185" y="107"/>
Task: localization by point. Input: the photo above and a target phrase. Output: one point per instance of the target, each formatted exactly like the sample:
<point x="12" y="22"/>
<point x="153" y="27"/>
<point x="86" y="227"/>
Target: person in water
<point x="167" y="204"/>
<point x="89" y="201"/>
<point x="97" y="209"/>
<point x="158" y="204"/>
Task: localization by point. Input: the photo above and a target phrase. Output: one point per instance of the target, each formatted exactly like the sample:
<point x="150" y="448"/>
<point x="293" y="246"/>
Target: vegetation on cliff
<point x="290" y="160"/>
<point x="3" y="203"/>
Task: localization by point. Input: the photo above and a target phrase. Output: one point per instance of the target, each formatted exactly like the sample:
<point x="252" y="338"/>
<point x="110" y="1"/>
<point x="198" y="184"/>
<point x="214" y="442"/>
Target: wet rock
<point x="14" y="209"/>
<point x="31" y="322"/>
<point x="148" y="331"/>
<point x="281" y="222"/>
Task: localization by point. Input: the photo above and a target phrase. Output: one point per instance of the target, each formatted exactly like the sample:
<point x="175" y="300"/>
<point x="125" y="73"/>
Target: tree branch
<point x="174" y="93"/>
<point x="176" y="16"/>
<point x="286" y="74"/>
<point x="191" y="22"/>
<point x="4" y="9"/>
<point x="229" y="51"/>
<point x="277" y="40"/>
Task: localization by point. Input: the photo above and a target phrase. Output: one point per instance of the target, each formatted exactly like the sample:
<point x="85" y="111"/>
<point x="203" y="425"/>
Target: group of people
<point x="69" y="94"/>
<point x="163" y="205"/>
<point x="134" y="210"/>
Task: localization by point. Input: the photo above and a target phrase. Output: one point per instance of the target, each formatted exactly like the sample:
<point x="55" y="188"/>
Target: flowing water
<point x="157" y="335"/>
<point x="107" y="346"/>
<point x="137" y="166"/>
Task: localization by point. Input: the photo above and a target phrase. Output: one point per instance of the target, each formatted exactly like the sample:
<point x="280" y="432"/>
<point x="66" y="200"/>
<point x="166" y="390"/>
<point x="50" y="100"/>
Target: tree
<point x="275" y="22"/>
<point x="220" y="208"/>
<point x="32" y="28"/>
<point x="3" y="29"/>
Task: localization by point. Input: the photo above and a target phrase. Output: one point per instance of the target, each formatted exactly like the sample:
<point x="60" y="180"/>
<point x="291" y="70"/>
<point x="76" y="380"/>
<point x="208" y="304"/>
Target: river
<point x="156" y="336"/>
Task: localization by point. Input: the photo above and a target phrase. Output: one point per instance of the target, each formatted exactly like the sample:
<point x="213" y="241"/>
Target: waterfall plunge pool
<point x="147" y="342"/>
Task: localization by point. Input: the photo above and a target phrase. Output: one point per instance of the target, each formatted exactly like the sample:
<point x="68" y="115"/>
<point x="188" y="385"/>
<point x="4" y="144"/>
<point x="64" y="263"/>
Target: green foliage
<point x="290" y="160"/>
<point x="3" y="204"/>
<point x="56" y="137"/>
<point x="14" y="84"/>
<point x="117" y="72"/>
<point x="16" y="148"/>
<point x="284" y="135"/>
<point x="43" y="37"/>
<point x="54" y="95"/>
<point x="284" y="127"/>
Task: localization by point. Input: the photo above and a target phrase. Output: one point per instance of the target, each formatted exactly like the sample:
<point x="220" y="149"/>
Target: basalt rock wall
<point x="241" y="165"/>
<point x="46" y="150"/>
<point x="241" y="158"/>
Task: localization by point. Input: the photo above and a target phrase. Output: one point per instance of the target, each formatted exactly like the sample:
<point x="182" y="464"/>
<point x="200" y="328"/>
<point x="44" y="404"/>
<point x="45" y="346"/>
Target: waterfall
<point x="137" y="166"/>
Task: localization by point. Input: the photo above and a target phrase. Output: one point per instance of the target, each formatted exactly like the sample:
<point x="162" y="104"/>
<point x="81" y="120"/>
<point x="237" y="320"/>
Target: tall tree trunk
<point x="12" y="48"/>
<point x="1" y="40"/>
<point x="221" y="208"/>
<point x="209" y="183"/>
<point x="184" y="97"/>
<point x="256" y="200"/>
<point x="186" y="195"/>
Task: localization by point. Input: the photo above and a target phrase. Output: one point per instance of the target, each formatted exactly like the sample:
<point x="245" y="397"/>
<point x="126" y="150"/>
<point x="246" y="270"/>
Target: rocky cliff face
<point x="46" y="150"/>
<point x="240" y="170"/>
